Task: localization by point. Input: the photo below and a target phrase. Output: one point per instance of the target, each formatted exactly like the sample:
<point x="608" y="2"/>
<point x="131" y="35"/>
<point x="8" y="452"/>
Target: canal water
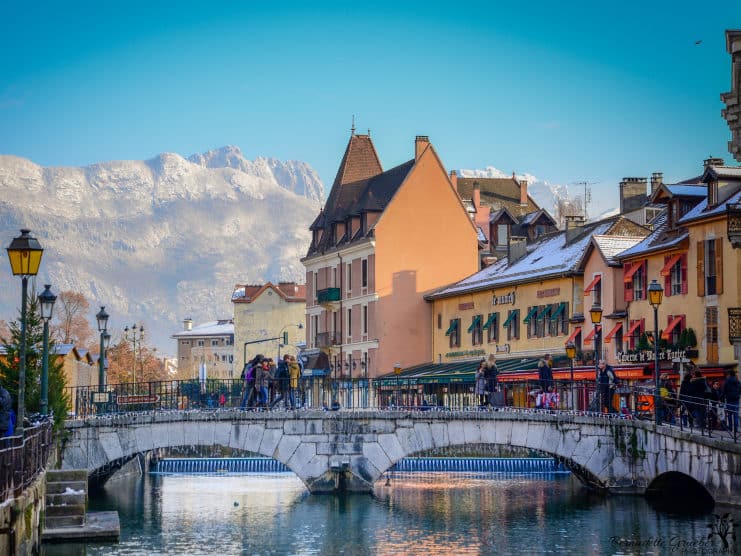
<point x="410" y="513"/>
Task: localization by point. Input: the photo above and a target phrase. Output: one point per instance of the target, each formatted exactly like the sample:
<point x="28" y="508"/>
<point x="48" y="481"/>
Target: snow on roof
<point x="551" y="255"/>
<point x="62" y="349"/>
<point x="480" y="234"/>
<point x="701" y="210"/>
<point x="212" y="328"/>
<point x="658" y="239"/>
<point x="688" y="190"/>
<point x="610" y="246"/>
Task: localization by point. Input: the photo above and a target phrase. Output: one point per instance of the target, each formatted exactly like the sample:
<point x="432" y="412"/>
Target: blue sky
<point x="566" y="91"/>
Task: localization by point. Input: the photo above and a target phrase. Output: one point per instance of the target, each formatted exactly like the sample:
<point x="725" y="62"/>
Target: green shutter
<point x="544" y="313"/>
<point x="492" y="321"/>
<point x="512" y="315"/>
<point x="558" y="311"/>
<point x="530" y="314"/>
<point x="476" y="321"/>
<point x="453" y="326"/>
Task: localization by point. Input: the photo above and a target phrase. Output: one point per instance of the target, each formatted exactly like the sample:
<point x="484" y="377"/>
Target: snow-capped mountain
<point x="550" y="196"/>
<point x="159" y="240"/>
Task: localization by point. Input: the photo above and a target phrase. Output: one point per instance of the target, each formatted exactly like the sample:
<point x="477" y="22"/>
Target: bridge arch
<point x="350" y="450"/>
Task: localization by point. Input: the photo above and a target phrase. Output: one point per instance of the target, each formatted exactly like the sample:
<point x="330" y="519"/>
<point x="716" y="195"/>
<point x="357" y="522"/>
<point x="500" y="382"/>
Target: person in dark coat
<point x="545" y="372"/>
<point x="698" y="391"/>
<point x="607" y="381"/>
<point x="730" y="395"/>
<point x="684" y="399"/>
<point x="491" y="373"/>
<point x="6" y="407"/>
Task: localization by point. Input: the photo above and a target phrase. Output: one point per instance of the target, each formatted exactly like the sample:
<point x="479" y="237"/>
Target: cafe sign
<point x="506" y="299"/>
<point x="468" y="353"/>
<point x="647" y="355"/>
<point x="503" y="348"/>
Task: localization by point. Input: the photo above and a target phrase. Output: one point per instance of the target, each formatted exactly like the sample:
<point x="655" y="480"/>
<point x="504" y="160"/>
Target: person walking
<point x="606" y="381"/>
<point x="730" y="395"/>
<point x="491" y="374"/>
<point x="280" y="381"/>
<point x="685" y="403"/>
<point x="480" y="387"/>
<point x="262" y="379"/>
<point x="698" y="393"/>
<point x="545" y="372"/>
<point x="668" y="399"/>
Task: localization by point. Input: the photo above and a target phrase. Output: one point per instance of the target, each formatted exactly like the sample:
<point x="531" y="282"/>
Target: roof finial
<point x="368" y="132"/>
<point x="352" y="129"/>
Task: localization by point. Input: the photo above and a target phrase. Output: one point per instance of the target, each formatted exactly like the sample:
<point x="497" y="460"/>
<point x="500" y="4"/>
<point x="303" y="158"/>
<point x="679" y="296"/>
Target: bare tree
<point x="71" y="325"/>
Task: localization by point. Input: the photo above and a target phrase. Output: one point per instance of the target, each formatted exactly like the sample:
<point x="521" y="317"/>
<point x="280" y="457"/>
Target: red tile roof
<point x="360" y="161"/>
<point x="289" y="291"/>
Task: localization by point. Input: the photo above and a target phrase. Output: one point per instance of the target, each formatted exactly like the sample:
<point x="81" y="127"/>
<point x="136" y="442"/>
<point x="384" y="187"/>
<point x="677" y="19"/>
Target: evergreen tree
<point x="10" y="368"/>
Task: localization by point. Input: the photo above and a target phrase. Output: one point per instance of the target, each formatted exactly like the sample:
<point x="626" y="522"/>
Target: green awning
<point x="510" y="317"/>
<point x="476" y="321"/>
<point x="453" y="326"/>
<point x="544" y="313"/>
<point x="492" y="321"/>
<point x="530" y="314"/>
<point x="558" y="311"/>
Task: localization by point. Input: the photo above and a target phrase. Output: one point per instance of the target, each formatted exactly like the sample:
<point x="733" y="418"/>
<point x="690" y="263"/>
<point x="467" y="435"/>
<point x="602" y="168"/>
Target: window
<point x="365" y="319"/>
<point x="492" y="328"/>
<point x="558" y="323"/>
<point x="200" y="343"/>
<point x="673" y="331"/>
<point x="334" y="277"/>
<point x="618" y="341"/>
<point x="314" y="277"/>
<point x="364" y="273"/>
<point x="476" y="330"/>
<point x="531" y="321"/>
<point x="710" y="267"/>
<point x="675" y="278"/>
<point x="439" y="321"/>
<point x="634" y="280"/>
<point x="639" y="284"/>
<point x="513" y="325"/>
<point x="454" y="333"/>
<point x="711" y="333"/>
<point x="597" y="293"/>
<point x="502" y="233"/>
<point x="214" y="343"/>
<point x="349" y="324"/>
<point x="349" y="277"/>
<point x="634" y="333"/>
<point x="314" y="328"/>
<point x="185" y="342"/>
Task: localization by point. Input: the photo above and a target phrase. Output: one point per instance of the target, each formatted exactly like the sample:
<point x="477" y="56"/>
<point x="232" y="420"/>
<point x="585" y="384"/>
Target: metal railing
<point x="334" y="393"/>
<point x="22" y="458"/>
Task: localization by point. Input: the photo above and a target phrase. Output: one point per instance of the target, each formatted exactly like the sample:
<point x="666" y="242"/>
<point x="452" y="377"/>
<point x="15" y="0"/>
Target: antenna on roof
<point x="368" y="132"/>
<point x="587" y="194"/>
<point x="352" y="129"/>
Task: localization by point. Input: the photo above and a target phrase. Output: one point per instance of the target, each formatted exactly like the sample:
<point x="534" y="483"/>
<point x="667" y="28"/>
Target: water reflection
<point x="425" y="513"/>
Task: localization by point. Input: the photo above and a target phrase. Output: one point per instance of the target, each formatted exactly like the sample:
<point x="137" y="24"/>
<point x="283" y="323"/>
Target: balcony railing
<point x="22" y="458"/>
<point x="327" y="339"/>
<point x="328" y="295"/>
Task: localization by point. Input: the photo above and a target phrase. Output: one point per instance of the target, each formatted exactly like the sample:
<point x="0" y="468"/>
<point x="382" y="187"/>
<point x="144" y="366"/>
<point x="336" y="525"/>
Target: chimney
<point x="188" y="324"/>
<point x="523" y="193"/>
<point x="516" y="249"/>
<point x="476" y="195"/>
<point x="454" y="180"/>
<point x="712" y="162"/>
<point x="420" y="144"/>
<point x="657" y="178"/>
<point x="632" y="194"/>
<point x="574" y="224"/>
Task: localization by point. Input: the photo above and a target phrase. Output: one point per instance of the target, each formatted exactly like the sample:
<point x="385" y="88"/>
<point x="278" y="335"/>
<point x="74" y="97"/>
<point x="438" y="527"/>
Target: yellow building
<point x="265" y="311"/>
<point x="689" y="255"/>
<point x="80" y="370"/>
<point x="522" y="306"/>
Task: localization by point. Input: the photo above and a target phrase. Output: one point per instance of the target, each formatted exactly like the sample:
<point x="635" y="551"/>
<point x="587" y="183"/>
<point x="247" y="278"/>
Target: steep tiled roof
<point x="359" y="162"/>
<point x="552" y="255"/>
<point x="497" y="193"/>
<point x="289" y="291"/>
<point x="611" y="246"/>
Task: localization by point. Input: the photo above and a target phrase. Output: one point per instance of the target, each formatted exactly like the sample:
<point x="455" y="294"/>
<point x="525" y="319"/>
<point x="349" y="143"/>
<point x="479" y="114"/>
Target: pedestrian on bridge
<point x="294" y="373"/>
<point x="731" y="394"/>
<point x="607" y="381"/>
<point x="545" y="372"/>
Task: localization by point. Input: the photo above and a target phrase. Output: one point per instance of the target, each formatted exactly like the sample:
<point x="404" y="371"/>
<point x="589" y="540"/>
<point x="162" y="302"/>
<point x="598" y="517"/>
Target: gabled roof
<point x="289" y="291"/>
<point x="552" y="255"/>
<point x="497" y="193"/>
<point x="665" y="191"/>
<point x="702" y="211"/>
<point x="659" y="240"/>
<point x="532" y="217"/>
<point x="611" y="246"/>
<point x="62" y="349"/>
<point x="502" y="213"/>
<point x="721" y="172"/>
<point x="223" y="327"/>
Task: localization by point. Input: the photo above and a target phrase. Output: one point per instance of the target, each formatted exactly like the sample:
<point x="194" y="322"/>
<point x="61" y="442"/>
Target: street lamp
<point x="46" y="302"/>
<point x="133" y="335"/>
<point x="397" y="372"/>
<point x="102" y="318"/>
<point x="596" y="314"/>
<point x="283" y="336"/>
<point x="24" y="254"/>
<point x="571" y="354"/>
<point x="655" y="293"/>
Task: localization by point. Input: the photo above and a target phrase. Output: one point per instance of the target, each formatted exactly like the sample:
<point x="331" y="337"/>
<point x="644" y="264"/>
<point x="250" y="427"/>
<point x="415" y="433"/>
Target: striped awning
<point x="672" y="325"/>
<point x="588" y="339"/>
<point x="476" y="321"/>
<point x="491" y="321"/>
<point x="592" y="284"/>
<point x="670" y="263"/>
<point x="574" y="334"/>
<point x="611" y="333"/>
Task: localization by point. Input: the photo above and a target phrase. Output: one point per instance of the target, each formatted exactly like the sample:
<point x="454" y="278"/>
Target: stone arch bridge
<point x="350" y="450"/>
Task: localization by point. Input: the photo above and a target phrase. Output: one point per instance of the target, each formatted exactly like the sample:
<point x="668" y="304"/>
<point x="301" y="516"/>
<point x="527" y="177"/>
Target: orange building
<point x="383" y="240"/>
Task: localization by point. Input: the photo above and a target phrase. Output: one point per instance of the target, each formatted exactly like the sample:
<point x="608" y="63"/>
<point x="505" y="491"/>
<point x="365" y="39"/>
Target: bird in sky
<point x="698" y="42"/>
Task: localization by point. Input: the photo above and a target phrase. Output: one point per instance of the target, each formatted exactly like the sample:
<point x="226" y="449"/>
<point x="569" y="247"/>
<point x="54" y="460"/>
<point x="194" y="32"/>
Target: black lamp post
<point x="46" y="302"/>
<point x="596" y="315"/>
<point x="571" y="354"/>
<point x="655" y="294"/>
<point x="102" y="318"/>
<point x="283" y="336"/>
<point x="24" y="254"/>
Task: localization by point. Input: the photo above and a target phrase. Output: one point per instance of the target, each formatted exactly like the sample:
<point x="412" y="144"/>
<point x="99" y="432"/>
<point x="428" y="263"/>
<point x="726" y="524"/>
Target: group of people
<point x="266" y="384"/>
<point x="487" y="382"/>
<point x="703" y="404"/>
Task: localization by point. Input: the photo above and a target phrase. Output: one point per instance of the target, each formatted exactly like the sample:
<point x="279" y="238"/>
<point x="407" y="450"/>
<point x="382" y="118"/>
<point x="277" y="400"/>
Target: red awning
<point x="591" y="285"/>
<point x="633" y="269"/>
<point x="574" y="334"/>
<point x="589" y="337"/>
<point x="672" y="325"/>
<point x="633" y="327"/>
<point x="670" y="263"/>
<point x="612" y="332"/>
